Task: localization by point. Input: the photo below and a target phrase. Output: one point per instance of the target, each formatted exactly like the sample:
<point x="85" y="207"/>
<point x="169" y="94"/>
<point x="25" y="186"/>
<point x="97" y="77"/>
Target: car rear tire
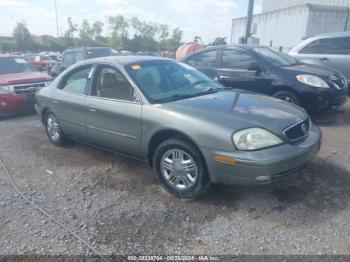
<point x="287" y="97"/>
<point x="53" y="129"/>
<point x="180" y="168"/>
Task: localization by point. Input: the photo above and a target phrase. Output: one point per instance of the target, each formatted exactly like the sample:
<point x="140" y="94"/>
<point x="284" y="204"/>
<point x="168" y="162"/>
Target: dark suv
<point x="73" y="55"/>
<point x="263" y="70"/>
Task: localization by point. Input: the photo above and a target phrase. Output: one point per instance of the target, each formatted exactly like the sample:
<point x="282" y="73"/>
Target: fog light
<point x="3" y="103"/>
<point x="263" y="178"/>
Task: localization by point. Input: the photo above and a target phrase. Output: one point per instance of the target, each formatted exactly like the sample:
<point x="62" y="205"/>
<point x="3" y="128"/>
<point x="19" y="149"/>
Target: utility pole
<point x="58" y="33"/>
<point x="249" y="20"/>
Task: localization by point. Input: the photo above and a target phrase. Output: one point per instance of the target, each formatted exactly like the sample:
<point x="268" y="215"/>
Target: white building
<point x="285" y="23"/>
<point x="272" y="5"/>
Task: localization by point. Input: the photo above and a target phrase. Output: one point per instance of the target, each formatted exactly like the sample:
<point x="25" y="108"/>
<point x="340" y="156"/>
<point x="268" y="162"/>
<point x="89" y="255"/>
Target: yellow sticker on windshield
<point x="136" y="67"/>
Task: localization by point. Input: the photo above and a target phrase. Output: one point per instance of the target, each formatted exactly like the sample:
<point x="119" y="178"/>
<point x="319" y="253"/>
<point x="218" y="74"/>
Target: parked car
<point x="57" y="56"/>
<point x="42" y="63"/>
<point x="192" y="130"/>
<point x="73" y="55"/>
<point x="147" y="53"/>
<point x="331" y="50"/>
<point x="263" y="70"/>
<point x="18" y="83"/>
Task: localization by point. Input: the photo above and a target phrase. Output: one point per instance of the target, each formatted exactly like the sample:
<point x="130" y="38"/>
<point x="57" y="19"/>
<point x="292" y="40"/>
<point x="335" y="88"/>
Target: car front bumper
<point x="263" y="166"/>
<point x="327" y="98"/>
<point x="12" y="104"/>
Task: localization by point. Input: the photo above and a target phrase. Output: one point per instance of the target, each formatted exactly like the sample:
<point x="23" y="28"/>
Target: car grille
<point x="26" y="89"/>
<point x="338" y="81"/>
<point x="298" y="130"/>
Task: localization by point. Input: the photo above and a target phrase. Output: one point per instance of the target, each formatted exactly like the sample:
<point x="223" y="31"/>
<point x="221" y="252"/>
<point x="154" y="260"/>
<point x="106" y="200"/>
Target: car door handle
<point x="323" y="59"/>
<point x="92" y="109"/>
<point x="55" y="101"/>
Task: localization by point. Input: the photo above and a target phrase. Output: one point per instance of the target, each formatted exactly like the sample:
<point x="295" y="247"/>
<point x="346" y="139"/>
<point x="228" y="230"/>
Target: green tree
<point x="69" y="34"/>
<point x="85" y="33"/>
<point x="163" y="32"/>
<point x="50" y="43"/>
<point x="149" y="30"/>
<point x="136" y="25"/>
<point x="97" y="28"/>
<point x="119" y="27"/>
<point x="7" y="46"/>
<point x="22" y="37"/>
<point x="177" y="35"/>
<point x="174" y="42"/>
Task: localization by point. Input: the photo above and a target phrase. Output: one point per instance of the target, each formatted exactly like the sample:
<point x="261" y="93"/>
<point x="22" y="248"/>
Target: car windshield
<point x="11" y="65"/>
<point x="275" y="58"/>
<point x="94" y="53"/>
<point x="165" y="81"/>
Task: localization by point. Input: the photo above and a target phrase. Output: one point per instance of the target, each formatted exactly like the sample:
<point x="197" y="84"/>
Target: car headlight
<point x="254" y="139"/>
<point x="312" y="80"/>
<point x="5" y="90"/>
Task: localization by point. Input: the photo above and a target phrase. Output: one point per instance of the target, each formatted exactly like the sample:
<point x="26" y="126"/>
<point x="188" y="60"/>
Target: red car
<point x="18" y="83"/>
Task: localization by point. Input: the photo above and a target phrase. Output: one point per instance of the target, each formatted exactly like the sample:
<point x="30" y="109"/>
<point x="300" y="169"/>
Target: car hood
<point x="240" y="109"/>
<point x="310" y="69"/>
<point x="23" y="78"/>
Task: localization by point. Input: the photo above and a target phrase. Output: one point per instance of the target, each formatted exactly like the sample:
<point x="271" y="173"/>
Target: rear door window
<point x="338" y="46"/>
<point x="341" y="46"/>
<point x="236" y="60"/>
<point x="204" y="59"/>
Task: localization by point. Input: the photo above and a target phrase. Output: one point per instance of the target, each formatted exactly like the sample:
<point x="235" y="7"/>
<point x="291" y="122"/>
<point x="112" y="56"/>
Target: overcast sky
<point x="207" y="18"/>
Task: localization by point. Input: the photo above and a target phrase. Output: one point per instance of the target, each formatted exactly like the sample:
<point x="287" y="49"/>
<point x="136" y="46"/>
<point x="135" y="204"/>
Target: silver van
<point x="331" y="50"/>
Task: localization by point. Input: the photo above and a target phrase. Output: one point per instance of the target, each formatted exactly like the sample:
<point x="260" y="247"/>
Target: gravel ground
<point x="117" y="205"/>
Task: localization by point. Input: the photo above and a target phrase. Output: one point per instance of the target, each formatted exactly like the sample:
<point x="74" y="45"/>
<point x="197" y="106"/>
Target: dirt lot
<point x="116" y="204"/>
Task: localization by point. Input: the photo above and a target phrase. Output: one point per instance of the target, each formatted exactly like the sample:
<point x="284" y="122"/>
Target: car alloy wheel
<point x="179" y="169"/>
<point x="53" y="129"/>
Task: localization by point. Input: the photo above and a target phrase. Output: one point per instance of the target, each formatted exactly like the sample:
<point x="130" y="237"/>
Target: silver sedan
<point x="190" y="129"/>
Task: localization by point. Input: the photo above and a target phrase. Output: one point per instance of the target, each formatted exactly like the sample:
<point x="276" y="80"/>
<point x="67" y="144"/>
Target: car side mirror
<point x="254" y="66"/>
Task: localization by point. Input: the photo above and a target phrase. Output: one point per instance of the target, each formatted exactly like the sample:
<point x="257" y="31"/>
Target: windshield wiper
<point x="184" y="96"/>
<point x="174" y="97"/>
<point x="201" y="82"/>
<point x="209" y="91"/>
<point x="227" y="88"/>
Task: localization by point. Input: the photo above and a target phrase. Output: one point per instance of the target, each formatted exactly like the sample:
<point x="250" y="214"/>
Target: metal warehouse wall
<point x="326" y="20"/>
<point x="270" y="5"/>
<point x="286" y="28"/>
<point x="283" y="28"/>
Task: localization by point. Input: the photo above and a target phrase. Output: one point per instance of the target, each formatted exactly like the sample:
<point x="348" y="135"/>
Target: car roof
<point x="334" y="34"/>
<point x="124" y="60"/>
<point x="11" y="56"/>
<point x="307" y="41"/>
<point x="76" y="49"/>
<point x="240" y="46"/>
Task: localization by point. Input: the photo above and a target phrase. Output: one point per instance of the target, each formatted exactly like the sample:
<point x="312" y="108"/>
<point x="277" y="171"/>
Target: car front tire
<point x="287" y="97"/>
<point x="53" y="130"/>
<point x="180" y="168"/>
